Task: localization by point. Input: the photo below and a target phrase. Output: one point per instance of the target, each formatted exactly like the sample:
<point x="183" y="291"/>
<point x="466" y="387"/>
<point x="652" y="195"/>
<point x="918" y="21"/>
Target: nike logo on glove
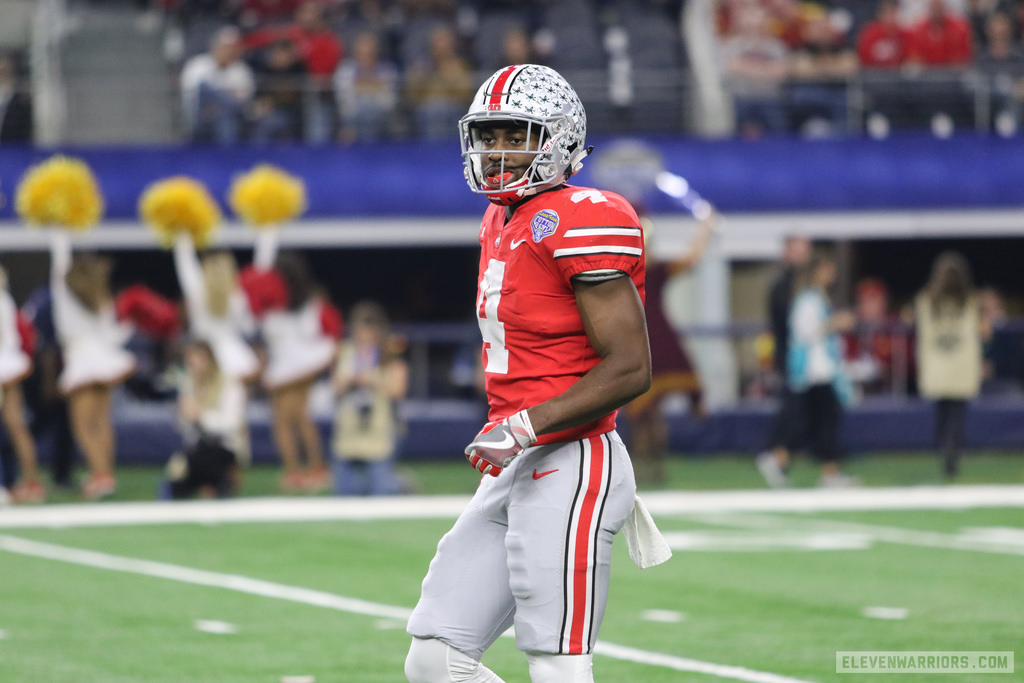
<point x="508" y="442"/>
<point x="538" y="475"/>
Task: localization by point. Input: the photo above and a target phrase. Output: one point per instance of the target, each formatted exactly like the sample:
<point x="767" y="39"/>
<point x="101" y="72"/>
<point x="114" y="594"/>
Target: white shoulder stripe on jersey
<point x="591" y="232"/>
<point x="597" y="249"/>
<point x="599" y="275"/>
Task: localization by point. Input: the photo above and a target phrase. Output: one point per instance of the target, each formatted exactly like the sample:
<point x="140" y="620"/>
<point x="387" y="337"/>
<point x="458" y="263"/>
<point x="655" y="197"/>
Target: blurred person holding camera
<point x="370" y="380"/>
<point x="949" y="348"/>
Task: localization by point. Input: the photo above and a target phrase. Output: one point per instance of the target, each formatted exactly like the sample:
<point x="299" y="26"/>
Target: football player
<point x="560" y="308"/>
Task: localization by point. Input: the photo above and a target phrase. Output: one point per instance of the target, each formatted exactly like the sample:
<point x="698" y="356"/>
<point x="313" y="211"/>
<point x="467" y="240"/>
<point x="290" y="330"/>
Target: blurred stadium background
<point x="912" y="161"/>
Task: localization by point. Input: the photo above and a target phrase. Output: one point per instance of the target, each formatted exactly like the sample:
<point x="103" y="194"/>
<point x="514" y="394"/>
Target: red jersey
<point x="883" y="46"/>
<point x="535" y="346"/>
<point x="941" y="44"/>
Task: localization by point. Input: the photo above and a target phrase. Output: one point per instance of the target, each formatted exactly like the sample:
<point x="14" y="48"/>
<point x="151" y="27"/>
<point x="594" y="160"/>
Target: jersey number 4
<point x="491" y="328"/>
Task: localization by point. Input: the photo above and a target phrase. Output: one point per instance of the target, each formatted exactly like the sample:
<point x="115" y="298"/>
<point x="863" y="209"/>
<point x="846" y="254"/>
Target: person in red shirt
<point x="321" y="51"/>
<point x="941" y="39"/>
<point x="560" y="308"/>
<point x="883" y="43"/>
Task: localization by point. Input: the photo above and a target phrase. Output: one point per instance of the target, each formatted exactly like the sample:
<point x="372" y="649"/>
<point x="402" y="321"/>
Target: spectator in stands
<point x="884" y="43"/>
<point x="822" y="65"/>
<point x="16" y="366"/>
<point x="95" y="361"/>
<point x="948" y="320"/>
<point x="370" y="379"/>
<point x="320" y="50"/>
<point x="787" y="427"/>
<point x="517" y="46"/>
<point x="262" y="12"/>
<point x="1002" y="60"/>
<point x="16" y="123"/>
<point x="672" y="369"/>
<point x="367" y="89"/>
<point x="883" y="48"/>
<point x="277" y="111"/>
<point x="787" y="18"/>
<point x="216" y="90"/>
<point x="440" y="88"/>
<point x="754" y="65"/>
<point x="215" y="432"/>
<point x="1003" y="369"/>
<point x="941" y="39"/>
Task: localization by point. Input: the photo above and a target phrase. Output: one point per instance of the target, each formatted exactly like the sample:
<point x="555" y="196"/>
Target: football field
<point x="764" y="586"/>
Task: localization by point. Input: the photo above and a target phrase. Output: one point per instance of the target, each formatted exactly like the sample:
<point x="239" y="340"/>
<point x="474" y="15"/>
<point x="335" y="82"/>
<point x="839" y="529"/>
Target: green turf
<point x="781" y="611"/>
<point x="785" y="612"/>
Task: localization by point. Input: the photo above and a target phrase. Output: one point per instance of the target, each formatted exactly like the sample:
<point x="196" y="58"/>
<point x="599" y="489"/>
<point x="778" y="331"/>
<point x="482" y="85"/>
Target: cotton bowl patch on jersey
<point x="544" y="223"/>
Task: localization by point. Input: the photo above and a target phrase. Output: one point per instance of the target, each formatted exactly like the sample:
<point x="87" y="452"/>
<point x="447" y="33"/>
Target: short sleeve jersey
<point x="534" y="343"/>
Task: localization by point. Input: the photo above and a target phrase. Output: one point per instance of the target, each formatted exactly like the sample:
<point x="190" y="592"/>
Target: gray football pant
<point x="533" y="549"/>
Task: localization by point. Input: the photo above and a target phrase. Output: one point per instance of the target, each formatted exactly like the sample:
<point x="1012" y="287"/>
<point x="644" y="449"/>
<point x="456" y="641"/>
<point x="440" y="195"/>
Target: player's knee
<point x="431" y="661"/>
<point x="546" y="668"/>
<point x="427" y="661"/>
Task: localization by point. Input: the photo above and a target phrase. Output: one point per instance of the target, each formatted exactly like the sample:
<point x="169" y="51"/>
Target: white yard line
<point x="269" y="589"/>
<point x="448" y="507"/>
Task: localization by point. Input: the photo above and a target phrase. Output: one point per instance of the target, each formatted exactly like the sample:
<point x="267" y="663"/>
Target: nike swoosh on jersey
<point x="538" y="475"/>
<point x="514" y="244"/>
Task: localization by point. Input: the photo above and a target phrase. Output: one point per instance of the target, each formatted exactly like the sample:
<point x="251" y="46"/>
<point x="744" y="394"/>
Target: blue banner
<point x="425" y="179"/>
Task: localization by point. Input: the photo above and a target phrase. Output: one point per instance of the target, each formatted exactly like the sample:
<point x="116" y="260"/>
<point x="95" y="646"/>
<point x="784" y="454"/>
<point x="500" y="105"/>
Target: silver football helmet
<point x="538" y="98"/>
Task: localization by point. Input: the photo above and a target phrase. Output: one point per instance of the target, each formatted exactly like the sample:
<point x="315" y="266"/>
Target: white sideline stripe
<point x="967" y="539"/>
<point x="324" y="509"/>
<point x="269" y="589"/>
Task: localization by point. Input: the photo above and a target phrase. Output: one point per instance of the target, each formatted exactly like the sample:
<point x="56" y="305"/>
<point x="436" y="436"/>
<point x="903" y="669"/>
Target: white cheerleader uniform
<point x="234" y="356"/>
<point x="92" y="342"/>
<point x="297" y="347"/>
<point x="15" y="365"/>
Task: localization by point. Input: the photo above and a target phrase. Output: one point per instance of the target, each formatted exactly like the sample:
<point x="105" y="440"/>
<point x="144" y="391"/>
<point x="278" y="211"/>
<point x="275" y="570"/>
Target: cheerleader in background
<point x="217" y="309"/>
<point x="15" y="366"/>
<point x="95" y="360"/>
<point x="300" y="331"/>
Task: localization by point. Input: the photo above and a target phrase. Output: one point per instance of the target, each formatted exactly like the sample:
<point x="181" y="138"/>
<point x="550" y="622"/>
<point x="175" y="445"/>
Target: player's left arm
<point x="613" y="319"/>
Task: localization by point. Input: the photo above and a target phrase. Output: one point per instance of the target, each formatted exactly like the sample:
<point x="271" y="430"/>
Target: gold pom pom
<point x="60" y="191"/>
<point x="180" y="204"/>
<point x="267" y="196"/>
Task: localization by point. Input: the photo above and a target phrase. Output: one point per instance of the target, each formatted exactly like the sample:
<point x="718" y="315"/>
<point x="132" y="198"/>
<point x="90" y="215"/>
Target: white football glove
<point x="498" y="443"/>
